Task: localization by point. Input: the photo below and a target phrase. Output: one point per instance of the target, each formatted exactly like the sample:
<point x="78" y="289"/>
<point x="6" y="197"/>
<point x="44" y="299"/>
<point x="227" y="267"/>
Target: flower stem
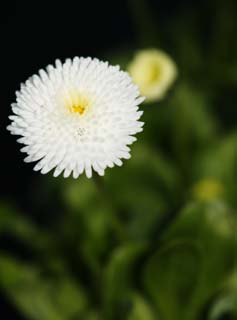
<point x="116" y="223"/>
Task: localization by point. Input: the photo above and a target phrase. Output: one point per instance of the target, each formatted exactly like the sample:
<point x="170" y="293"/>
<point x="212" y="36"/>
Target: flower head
<point x="77" y="116"/>
<point x="154" y="72"/>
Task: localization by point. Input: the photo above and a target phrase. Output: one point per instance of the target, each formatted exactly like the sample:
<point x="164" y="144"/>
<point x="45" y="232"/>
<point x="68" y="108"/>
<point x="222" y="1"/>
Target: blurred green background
<point x="155" y="239"/>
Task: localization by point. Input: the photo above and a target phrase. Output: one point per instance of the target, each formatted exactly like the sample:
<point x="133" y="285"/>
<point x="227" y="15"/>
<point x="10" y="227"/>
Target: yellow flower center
<point x="76" y="103"/>
<point x="77" y="109"/>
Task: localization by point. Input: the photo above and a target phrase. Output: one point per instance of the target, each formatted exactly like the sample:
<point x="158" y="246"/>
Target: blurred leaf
<point x="79" y="194"/>
<point x="144" y="190"/>
<point x="197" y="252"/>
<point x="141" y="310"/>
<point x="90" y="315"/>
<point x="193" y="126"/>
<point x="92" y="212"/>
<point x="117" y="282"/>
<point x="171" y="276"/>
<point x="40" y="297"/>
<point x="226" y="302"/>
<point x="220" y="161"/>
<point x="14" y="223"/>
<point x="183" y="126"/>
<point x="225" y="305"/>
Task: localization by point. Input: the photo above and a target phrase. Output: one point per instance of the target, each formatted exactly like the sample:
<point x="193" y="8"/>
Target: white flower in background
<point x="154" y="72"/>
<point x="77" y="116"/>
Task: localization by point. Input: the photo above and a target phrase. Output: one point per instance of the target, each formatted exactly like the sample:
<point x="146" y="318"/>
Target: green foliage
<point x="38" y="296"/>
<point x="118" y="278"/>
<point x="197" y="252"/>
<point x="141" y="310"/>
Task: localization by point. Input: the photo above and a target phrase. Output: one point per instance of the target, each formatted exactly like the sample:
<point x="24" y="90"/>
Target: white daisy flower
<point x="77" y="116"/>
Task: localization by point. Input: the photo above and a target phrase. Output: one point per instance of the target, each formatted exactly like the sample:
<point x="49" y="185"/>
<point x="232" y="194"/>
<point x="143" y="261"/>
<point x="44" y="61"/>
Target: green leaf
<point x="171" y="276"/>
<point x="14" y="223"/>
<point x="117" y="281"/>
<point x="91" y="315"/>
<point x="40" y="297"/>
<point x="79" y="195"/>
<point x="192" y="126"/>
<point x="225" y="305"/>
<point x="220" y="162"/>
<point x="144" y="190"/>
<point x="91" y="210"/>
<point x="141" y="309"/>
<point x="197" y="252"/>
<point x="226" y="301"/>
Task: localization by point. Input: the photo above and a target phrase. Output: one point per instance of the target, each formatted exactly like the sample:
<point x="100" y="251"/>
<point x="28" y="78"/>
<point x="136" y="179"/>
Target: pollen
<point x="76" y="103"/>
<point x="78" y="109"/>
